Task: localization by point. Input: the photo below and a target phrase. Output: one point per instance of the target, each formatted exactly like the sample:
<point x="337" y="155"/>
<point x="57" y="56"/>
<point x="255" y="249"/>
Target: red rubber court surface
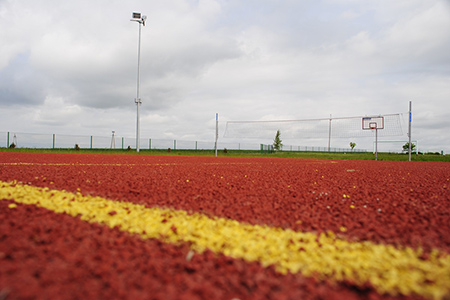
<point x="377" y="229"/>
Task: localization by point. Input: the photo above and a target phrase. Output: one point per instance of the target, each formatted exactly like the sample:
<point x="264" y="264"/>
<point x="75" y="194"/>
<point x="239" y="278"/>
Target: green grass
<point x="248" y="153"/>
<point x="340" y="155"/>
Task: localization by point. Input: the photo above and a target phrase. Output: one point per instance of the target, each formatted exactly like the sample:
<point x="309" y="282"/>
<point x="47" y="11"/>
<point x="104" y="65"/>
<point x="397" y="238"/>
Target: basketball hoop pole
<point x="373" y="123"/>
<point x="376" y="142"/>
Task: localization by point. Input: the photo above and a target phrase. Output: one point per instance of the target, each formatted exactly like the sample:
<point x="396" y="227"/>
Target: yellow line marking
<point x="389" y="269"/>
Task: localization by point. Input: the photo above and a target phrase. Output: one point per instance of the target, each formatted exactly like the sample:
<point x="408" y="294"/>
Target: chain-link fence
<point x="61" y="141"/>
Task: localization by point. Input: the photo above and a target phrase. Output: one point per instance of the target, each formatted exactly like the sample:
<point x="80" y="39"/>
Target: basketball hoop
<point x="369" y="123"/>
<point x="373" y="123"/>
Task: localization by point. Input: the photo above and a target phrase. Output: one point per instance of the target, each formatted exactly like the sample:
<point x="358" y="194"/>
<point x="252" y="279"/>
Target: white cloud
<point x="349" y="15"/>
<point x="423" y="34"/>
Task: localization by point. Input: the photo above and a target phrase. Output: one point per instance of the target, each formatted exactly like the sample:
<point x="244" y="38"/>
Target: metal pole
<point x="138" y="99"/>
<point x="409" y="130"/>
<point x="217" y="132"/>
<point x="137" y="17"/>
<point x="329" y="134"/>
<point x="113" y="140"/>
<point x="376" y="143"/>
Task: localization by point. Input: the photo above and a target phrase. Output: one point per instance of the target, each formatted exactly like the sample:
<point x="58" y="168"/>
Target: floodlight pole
<point x="141" y="20"/>
<point x="138" y="99"/>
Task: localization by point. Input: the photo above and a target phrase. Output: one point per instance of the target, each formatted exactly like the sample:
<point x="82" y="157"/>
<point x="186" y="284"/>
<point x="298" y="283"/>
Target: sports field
<point x="91" y="226"/>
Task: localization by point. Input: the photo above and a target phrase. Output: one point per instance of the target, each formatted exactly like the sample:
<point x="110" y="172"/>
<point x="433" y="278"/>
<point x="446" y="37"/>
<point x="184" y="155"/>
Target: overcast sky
<point x="70" y="67"/>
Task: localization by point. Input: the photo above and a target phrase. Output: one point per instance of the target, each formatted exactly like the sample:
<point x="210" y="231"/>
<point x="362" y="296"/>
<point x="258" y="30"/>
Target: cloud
<point x="59" y="114"/>
<point x="88" y="57"/>
<point x="20" y="84"/>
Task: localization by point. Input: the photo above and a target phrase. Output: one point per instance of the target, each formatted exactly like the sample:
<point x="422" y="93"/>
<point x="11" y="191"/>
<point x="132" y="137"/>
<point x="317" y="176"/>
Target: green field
<point x="250" y="153"/>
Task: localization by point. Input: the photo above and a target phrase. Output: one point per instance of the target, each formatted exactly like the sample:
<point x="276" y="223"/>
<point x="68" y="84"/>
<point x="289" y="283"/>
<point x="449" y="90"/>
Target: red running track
<point x="46" y="255"/>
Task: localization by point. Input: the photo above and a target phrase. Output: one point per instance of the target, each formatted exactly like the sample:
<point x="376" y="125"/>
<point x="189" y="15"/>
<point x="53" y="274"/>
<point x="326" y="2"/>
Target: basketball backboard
<point x="372" y="123"/>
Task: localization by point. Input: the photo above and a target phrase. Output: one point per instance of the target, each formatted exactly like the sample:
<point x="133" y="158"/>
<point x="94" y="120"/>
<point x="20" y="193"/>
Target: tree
<point x="277" y="145"/>
<point x="406" y="147"/>
<point x="352" y="145"/>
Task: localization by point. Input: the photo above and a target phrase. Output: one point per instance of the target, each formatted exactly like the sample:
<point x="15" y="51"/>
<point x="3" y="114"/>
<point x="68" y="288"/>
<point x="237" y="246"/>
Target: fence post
<point x="174" y="144"/>
<point x="91" y="143"/>
<point x="195" y="145"/>
<point x="149" y="144"/>
<point x="54" y="141"/>
<point x="122" y="143"/>
<point x="7" y="140"/>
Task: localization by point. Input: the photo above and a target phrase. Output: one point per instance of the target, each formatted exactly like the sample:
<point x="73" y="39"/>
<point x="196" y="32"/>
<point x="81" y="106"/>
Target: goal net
<point x="344" y="127"/>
